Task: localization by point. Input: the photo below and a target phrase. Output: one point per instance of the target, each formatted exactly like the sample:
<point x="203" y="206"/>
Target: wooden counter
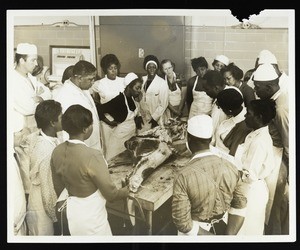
<point x="157" y="188"/>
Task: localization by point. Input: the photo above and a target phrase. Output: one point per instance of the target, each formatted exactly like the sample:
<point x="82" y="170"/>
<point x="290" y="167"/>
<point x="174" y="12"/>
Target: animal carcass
<point x="150" y="150"/>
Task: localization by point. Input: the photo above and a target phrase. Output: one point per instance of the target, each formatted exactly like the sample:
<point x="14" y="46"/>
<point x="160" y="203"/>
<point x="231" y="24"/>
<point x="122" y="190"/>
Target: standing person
<point x="198" y="102"/>
<point x="213" y="84"/>
<point x="42" y="197"/>
<point x="68" y="72"/>
<point x="27" y="94"/>
<point x="257" y="163"/>
<point x="106" y="89"/>
<point x="233" y="130"/>
<point x="208" y="189"/>
<point x="124" y="110"/>
<point x="155" y="93"/>
<point x="233" y="76"/>
<point x="220" y="62"/>
<point x="177" y="89"/>
<point x="266" y="82"/>
<point x="76" y="91"/>
<point x="83" y="171"/>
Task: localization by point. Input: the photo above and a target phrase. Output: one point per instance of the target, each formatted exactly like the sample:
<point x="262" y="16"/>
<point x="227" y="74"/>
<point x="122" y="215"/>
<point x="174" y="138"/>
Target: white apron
<point x="88" y="216"/>
<point x="174" y="100"/>
<point x="121" y="133"/>
<point x="202" y="103"/>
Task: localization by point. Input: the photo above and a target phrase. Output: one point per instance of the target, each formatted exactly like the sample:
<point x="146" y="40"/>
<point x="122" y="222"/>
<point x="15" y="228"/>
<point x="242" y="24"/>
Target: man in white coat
<point x="76" y="91"/>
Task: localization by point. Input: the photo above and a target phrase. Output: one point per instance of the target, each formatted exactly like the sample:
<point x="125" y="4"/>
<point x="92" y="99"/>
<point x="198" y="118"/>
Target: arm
<point x="58" y="183"/>
<point x="181" y="206"/>
<point x="99" y="174"/>
<point x="163" y="100"/>
<point x="105" y="108"/>
<point x="189" y="93"/>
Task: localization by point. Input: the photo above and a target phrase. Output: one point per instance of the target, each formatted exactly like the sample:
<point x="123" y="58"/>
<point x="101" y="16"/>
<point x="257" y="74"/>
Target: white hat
<point x="265" y="72"/>
<point x="129" y="78"/>
<point x="266" y="56"/>
<point x="222" y="59"/>
<point x="200" y="126"/>
<point x="26" y="49"/>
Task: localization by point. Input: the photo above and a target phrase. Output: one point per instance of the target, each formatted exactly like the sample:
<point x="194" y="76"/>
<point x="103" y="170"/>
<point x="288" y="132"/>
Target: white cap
<point x="222" y="59"/>
<point x="266" y="56"/>
<point x="26" y="49"/>
<point x="129" y="78"/>
<point x="200" y="126"/>
<point x="265" y="72"/>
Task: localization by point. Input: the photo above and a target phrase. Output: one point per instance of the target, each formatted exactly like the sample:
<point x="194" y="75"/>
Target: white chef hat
<point x="129" y="78"/>
<point x="266" y="56"/>
<point x="265" y="72"/>
<point x="200" y="126"/>
<point x="26" y="49"/>
<point x="222" y="59"/>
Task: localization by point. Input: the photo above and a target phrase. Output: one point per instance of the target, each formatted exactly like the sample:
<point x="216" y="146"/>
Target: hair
<point x="248" y="74"/>
<point x="214" y="78"/>
<point x="75" y="119"/>
<point x="165" y="61"/>
<point x="68" y="72"/>
<point x="20" y="56"/>
<point x="199" y="62"/>
<point x="266" y="109"/>
<point x="108" y="60"/>
<point x="229" y="99"/>
<point x="83" y="68"/>
<point x="196" y="143"/>
<point x="47" y="111"/>
<point x="150" y="58"/>
<point x="39" y="68"/>
<point x="235" y="71"/>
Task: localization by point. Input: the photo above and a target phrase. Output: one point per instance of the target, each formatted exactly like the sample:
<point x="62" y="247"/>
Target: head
<point x="266" y="81"/>
<point x="248" y="75"/>
<point x="78" y="120"/>
<point x="110" y="65"/>
<point x="220" y="62"/>
<point x="133" y="85"/>
<point x="267" y="57"/>
<point x="26" y="57"/>
<point x="84" y="74"/>
<point x="260" y="113"/>
<point x="48" y="114"/>
<point x="199" y="133"/>
<point x="232" y="74"/>
<point x="151" y="65"/>
<point x="230" y="101"/>
<point x="68" y="72"/>
<point x="213" y="84"/>
<point x="167" y="67"/>
<point x="200" y="66"/>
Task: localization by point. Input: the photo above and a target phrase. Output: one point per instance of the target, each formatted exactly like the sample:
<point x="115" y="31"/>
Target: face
<point x="30" y="63"/>
<point x="250" y="118"/>
<point x="229" y="79"/>
<point x="210" y="90"/>
<point x="136" y="90"/>
<point x="87" y="81"/>
<point x="262" y="90"/>
<point x="112" y="72"/>
<point x="201" y="71"/>
<point x="167" y="68"/>
<point x="151" y="69"/>
<point x="57" y="125"/>
<point x="218" y="66"/>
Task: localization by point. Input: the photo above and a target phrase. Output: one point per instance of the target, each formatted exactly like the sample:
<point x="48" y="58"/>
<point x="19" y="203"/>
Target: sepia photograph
<point x="159" y="125"/>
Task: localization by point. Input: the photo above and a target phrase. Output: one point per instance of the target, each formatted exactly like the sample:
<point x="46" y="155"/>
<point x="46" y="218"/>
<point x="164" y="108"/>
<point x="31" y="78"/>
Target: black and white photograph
<point x="159" y="125"/>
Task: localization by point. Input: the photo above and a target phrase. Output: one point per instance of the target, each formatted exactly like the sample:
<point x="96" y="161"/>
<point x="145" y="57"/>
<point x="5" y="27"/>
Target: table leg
<point x="148" y="215"/>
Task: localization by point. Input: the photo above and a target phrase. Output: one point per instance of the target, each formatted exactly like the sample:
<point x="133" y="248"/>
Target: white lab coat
<point x="70" y="94"/>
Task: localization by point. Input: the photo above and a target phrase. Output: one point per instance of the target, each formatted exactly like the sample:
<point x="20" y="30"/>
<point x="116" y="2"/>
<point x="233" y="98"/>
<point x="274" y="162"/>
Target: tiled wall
<point x="240" y="45"/>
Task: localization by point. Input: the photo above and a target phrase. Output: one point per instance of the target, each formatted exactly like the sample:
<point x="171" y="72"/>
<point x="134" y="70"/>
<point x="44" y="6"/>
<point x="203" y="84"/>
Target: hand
<point x="40" y="91"/>
<point x="37" y="99"/>
<point x="153" y="123"/>
<point x="138" y="122"/>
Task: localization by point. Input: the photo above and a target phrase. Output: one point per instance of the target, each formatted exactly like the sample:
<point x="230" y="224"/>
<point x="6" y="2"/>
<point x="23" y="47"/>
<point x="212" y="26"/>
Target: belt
<point x="208" y="224"/>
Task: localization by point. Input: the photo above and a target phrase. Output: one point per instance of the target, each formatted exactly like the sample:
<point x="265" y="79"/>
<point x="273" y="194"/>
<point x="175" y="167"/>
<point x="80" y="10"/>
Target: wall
<point x="240" y="45"/>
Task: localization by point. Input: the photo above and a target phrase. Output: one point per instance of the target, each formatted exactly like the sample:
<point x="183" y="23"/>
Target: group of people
<point x="237" y="134"/>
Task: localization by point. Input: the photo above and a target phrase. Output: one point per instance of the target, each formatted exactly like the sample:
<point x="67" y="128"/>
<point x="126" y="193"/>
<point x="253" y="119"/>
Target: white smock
<point x="121" y="133"/>
<point x="202" y="103"/>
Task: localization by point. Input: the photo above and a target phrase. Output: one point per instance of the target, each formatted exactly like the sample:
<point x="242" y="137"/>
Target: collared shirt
<point x="70" y="94"/>
<point x="225" y="127"/>
<point x="195" y="195"/>
<point x="258" y="156"/>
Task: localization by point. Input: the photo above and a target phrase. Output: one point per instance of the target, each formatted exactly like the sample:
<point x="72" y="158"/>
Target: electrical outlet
<point x="141" y="53"/>
<point x="66" y="22"/>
